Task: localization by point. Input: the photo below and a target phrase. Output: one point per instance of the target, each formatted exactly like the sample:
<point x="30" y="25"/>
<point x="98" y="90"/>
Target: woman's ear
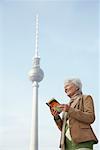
<point x="77" y="88"/>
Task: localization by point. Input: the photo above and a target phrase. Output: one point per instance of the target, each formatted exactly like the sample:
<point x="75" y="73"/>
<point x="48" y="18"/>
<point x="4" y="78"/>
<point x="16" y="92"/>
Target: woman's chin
<point x="69" y="94"/>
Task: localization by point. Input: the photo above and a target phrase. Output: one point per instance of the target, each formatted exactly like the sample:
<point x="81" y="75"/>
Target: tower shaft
<point x="34" y="128"/>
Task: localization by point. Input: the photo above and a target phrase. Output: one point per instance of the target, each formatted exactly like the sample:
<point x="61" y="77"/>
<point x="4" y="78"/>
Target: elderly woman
<point x="78" y="115"/>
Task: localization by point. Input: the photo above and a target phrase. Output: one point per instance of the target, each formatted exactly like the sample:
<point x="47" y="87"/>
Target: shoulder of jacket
<point x="86" y="96"/>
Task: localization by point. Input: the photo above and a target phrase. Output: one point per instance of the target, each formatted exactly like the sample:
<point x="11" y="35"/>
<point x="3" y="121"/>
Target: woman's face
<point x="70" y="89"/>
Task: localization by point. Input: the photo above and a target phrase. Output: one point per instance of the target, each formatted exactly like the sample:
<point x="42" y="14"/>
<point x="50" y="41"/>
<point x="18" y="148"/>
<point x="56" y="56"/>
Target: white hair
<point x="75" y="81"/>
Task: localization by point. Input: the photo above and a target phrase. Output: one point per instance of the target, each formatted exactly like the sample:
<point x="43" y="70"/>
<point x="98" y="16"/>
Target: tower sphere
<point x="36" y="74"/>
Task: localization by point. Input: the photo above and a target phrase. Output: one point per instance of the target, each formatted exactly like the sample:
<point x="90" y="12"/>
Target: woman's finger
<point x="61" y="106"/>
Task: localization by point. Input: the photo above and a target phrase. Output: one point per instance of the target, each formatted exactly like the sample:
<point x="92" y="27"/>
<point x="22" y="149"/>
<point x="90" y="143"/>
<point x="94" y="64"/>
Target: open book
<point x="54" y="104"/>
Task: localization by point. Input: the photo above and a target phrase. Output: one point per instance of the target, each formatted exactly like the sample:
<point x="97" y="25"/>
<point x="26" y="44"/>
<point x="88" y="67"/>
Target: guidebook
<point x="54" y="104"/>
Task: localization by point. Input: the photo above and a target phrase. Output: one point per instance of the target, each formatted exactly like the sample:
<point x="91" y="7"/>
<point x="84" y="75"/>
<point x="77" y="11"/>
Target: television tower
<point x="35" y="75"/>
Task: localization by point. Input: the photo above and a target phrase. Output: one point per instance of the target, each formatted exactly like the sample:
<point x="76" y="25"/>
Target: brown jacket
<point x="80" y="119"/>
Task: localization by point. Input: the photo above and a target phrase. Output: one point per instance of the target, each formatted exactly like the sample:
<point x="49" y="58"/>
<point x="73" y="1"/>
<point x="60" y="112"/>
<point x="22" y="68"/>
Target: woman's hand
<point x="54" y="112"/>
<point x="64" y="107"/>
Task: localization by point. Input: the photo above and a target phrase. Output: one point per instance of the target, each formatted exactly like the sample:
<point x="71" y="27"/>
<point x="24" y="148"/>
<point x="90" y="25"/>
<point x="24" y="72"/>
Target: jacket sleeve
<point x="59" y="122"/>
<point x="88" y="116"/>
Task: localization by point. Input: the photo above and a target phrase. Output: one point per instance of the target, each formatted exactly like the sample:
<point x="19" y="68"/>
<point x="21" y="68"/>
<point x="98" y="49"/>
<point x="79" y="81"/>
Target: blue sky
<point x="69" y="47"/>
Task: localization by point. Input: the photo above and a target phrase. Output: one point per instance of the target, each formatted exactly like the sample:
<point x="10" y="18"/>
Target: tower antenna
<point x="37" y="37"/>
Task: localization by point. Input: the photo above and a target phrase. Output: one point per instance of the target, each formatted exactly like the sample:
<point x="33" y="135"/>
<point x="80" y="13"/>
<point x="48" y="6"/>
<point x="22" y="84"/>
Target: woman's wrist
<point x="57" y="117"/>
<point x="67" y="108"/>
